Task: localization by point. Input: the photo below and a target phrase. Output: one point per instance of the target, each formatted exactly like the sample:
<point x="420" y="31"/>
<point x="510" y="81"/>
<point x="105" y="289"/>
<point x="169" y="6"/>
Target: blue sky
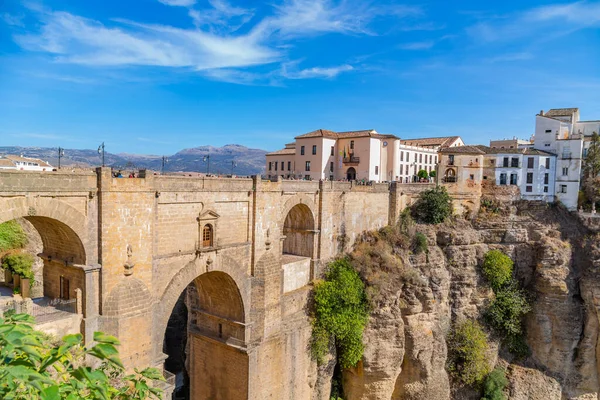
<point x="156" y="76"/>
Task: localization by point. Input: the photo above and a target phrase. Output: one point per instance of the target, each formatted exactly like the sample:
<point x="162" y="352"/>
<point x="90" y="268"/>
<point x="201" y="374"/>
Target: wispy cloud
<point x="315" y="72"/>
<point x="424" y="45"/>
<point x="510" y="57"/>
<point x="214" y="47"/>
<point x="553" y="20"/>
<point x="180" y="3"/>
<point x="13" y="20"/>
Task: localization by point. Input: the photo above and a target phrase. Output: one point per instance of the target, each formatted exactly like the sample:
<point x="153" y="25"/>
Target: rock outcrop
<point x="557" y="260"/>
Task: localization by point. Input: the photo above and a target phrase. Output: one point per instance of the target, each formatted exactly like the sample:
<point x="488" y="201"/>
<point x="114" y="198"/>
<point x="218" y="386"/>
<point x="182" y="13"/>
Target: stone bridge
<point x="241" y="252"/>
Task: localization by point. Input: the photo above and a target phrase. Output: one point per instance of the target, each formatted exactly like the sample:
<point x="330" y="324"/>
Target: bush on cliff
<point x="467" y="348"/>
<point x="421" y="243"/>
<point x="33" y="368"/>
<point x="340" y="313"/>
<point x="507" y="310"/>
<point x="12" y="236"/>
<point x="494" y="384"/>
<point x="434" y="206"/>
<point x="497" y="269"/>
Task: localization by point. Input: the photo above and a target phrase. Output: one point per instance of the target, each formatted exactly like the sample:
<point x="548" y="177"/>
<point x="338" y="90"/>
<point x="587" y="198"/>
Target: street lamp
<point x="233" y="165"/>
<point x="61" y="153"/>
<point x="101" y="151"/>
<point x="206" y="159"/>
<point x="164" y="161"/>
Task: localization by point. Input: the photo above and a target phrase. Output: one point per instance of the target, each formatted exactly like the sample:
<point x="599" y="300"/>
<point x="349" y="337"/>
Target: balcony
<point x="351" y="160"/>
<point x="449" y="179"/>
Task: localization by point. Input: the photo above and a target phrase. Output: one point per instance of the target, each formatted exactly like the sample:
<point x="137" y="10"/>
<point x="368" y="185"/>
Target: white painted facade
<point x="23" y="163"/>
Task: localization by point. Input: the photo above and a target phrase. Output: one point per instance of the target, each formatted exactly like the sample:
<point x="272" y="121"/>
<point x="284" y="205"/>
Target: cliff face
<point x="557" y="260"/>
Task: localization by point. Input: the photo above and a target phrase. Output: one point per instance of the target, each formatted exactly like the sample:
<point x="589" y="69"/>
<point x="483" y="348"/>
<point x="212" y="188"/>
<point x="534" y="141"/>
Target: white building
<point x="352" y="155"/>
<point x="532" y="170"/>
<point x="513" y="143"/>
<point x="560" y="131"/>
<point x="23" y="163"/>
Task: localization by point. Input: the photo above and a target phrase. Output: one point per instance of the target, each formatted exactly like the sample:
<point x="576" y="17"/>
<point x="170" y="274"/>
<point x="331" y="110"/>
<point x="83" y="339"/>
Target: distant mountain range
<point x="247" y="161"/>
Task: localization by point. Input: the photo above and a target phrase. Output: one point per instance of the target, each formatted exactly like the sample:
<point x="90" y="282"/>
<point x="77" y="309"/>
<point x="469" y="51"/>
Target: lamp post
<point x="206" y="159"/>
<point x="101" y="151"/>
<point x="164" y="161"/>
<point x="233" y="165"/>
<point x="61" y="153"/>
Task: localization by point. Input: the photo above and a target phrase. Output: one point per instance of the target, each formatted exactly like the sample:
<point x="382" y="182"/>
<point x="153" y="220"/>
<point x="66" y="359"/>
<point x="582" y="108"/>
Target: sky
<point x="157" y="76"/>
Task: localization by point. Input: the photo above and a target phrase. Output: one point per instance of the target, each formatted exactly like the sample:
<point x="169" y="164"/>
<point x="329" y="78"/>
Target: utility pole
<point x="233" y="165"/>
<point x="206" y="159"/>
<point x="164" y="161"/>
<point x="101" y="151"/>
<point x="61" y="153"/>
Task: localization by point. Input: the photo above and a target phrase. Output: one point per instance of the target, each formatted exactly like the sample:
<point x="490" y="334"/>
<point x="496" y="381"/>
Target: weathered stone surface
<point x="531" y="384"/>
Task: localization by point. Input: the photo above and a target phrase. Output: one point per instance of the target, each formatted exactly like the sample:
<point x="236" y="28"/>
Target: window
<point x="307" y="166"/>
<point x="289" y="165"/>
<point x="563" y="188"/>
<point x="505" y="162"/>
<point x="376" y="170"/>
<point x="276" y="165"/>
<point x="282" y="165"/>
<point x="547" y="162"/>
<point x="513" y="179"/>
<point x="472" y="177"/>
<point x="503" y="179"/>
<point x="492" y="161"/>
<point x="352" y="145"/>
<point x="64" y="288"/>
<point x="332" y="151"/>
<point x="420" y="157"/>
<point x="207" y="236"/>
<point x="565" y="171"/>
<point x="331" y="166"/>
<point x="530" y="177"/>
<point x="314" y="149"/>
<point x="546" y="178"/>
<point x="436" y="159"/>
<point x="301" y="150"/>
<point x="548" y="130"/>
<point x="529" y="189"/>
<point x="545" y="189"/>
<point x="430" y="158"/>
<point x="530" y="162"/>
<point x="585" y="152"/>
<point x="451" y="159"/>
<point x="415" y="157"/>
<point x="401" y="156"/>
<point x="546" y="144"/>
<point x="407" y="172"/>
<point x="514" y="162"/>
<point x="270" y="165"/>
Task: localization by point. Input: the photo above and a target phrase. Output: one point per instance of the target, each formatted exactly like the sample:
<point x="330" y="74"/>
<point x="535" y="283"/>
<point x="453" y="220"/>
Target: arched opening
<point x="351" y="174"/>
<point x="205" y="340"/>
<point x="450" y="175"/>
<point x="207" y="236"/>
<point x="298" y="230"/>
<point x="58" y="279"/>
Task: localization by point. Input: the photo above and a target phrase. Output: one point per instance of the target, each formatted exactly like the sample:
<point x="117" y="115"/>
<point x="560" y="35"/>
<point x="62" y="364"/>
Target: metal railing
<point x="449" y="179"/>
<point x="45" y="309"/>
<point x="351" y="160"/>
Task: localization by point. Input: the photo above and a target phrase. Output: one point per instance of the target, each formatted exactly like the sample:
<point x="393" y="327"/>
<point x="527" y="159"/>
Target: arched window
<point x="207" y="236"/>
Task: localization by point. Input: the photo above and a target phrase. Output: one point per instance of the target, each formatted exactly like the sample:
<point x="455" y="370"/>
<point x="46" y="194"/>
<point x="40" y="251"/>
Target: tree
<point x="497" y="268"/>
<point x="433" y="206"/>
<point x="432" y="174"/>
<point x="422" y="174"/>
<point x="341" y="313"/>
<point x="591" y="163"/>
<point x="12" y="236"/>
<point x="494" y="384"/>
<point x="33" y="368"/>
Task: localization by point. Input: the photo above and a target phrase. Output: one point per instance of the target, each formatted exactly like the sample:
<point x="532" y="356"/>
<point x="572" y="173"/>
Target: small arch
<point x="351" y="174"/>
<point x="450" y="175"/>
<point x="299" y="230"/>
<point x="207" y="236"/>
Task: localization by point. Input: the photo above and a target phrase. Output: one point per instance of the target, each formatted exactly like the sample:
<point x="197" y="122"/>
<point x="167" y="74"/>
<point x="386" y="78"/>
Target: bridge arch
<point x="299" y="227"/>
<point x="209" y="309"/>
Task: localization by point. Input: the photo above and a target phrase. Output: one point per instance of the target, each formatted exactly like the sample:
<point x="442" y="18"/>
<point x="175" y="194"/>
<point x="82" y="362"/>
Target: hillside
<point x="248" y="161"/>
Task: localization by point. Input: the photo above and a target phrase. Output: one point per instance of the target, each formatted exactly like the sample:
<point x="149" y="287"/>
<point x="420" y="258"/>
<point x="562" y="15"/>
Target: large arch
<point x="211" y="310"/>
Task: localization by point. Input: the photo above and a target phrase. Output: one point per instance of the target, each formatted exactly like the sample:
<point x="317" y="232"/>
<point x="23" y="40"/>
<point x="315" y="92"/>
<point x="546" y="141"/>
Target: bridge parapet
<point x="47" y="181"/>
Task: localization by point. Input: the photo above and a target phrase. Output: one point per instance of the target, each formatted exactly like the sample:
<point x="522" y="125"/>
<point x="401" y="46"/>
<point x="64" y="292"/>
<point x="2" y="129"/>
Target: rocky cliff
<point x="416" y="298"/>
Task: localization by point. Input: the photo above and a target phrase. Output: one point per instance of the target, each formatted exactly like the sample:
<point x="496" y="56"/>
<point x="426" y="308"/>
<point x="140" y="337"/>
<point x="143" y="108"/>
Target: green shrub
<point x="423" y="174"/>
<point x="434" y="206"/>
<point x="497" y="268"/>
<point x="421" y="243"/>
<point x="432" y="174"/>
<point x="491" y="206"/>
<point x="340" y="313"/>
<point x="494" y="384"/>
<point x="467" y="348"/>
<point x="506" y="311"/>
<point x="406" y="223"/>
<point x="19" y="264"/>
<point x="12" y="236"/>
